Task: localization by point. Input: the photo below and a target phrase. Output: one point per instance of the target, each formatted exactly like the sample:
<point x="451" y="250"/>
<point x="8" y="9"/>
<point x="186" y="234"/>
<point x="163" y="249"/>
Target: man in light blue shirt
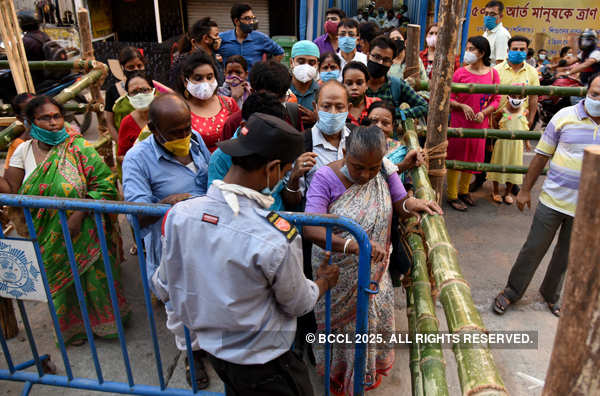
<point x="245" y="40"/>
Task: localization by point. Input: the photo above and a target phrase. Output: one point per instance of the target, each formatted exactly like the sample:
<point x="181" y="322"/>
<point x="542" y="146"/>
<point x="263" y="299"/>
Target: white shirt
<point x="358" y="57"/>
<point x="23" y="158"/>
<point x="498" y="38"/>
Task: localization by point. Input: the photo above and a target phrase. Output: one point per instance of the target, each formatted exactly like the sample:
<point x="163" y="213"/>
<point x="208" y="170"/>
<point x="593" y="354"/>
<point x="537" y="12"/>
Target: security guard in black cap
<point x="232" y="270"/>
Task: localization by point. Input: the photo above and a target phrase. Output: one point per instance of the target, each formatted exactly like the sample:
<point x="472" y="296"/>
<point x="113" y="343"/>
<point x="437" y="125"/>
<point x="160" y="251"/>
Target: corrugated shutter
<point x="220" y="11"/>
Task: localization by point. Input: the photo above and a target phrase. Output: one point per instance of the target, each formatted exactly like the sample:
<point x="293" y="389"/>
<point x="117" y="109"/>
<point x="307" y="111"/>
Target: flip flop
<point x="555" y="309"/>
<point x="508" y="200"/>
<point x="501" y="303"/>
<point x="467" y="198"/>
<point x="457" y="205"/>
<point x="497" y="198"/>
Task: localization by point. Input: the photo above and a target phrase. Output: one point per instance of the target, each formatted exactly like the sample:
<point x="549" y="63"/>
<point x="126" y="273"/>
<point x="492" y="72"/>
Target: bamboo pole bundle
<point x="488" y="134"/>
<point x="476" y="368"/>
<point x="16" y="128"/>
<point x="524" y="90"/>
<point x="73" y="107"/>
<point x="416" y="376"/>
<point x="76" y="65"/>
<point x="10" y="33"/>
<point x="431" y="359"/>
<point x="481" y="167"/>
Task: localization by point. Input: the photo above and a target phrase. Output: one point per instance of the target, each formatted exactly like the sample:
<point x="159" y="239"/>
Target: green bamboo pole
<point x="416" y="376"/>
<point x="16" y="128"/>
<point x="481" y="167"/>
<point x="55" y="65"/>
<point x="431" y="359"/>
<point x="488" y="134"/>
<point x="476" y="368"/>
<point x="77" y="108"/>
<point x="509" y="89"/>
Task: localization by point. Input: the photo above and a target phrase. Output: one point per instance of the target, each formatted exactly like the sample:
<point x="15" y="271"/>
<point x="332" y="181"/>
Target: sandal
<point x="467" y="198"/>
<point x="554" y="308"/>
<point x="458" y="205"/>
<point x="501" y="303"/>
<point x="200" y="374"/>
<point x="508" y="200"/>
<point x="497" y="198"/>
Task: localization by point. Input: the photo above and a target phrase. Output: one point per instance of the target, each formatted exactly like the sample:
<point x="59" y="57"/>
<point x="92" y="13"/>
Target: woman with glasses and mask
<point x="209" y="110"/>
<point x="204" y="35"/>
<point x="56" y="164"/>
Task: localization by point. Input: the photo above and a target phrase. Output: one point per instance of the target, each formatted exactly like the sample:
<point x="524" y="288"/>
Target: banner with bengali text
<point x="555" y="18"/>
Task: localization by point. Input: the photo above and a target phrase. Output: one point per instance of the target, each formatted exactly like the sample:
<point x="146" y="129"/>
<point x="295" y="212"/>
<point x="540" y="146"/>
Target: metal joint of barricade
<point x="133" y="210"/>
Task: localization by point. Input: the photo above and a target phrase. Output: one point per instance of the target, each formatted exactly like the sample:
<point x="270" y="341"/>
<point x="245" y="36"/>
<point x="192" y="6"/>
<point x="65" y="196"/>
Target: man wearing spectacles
<point x="246" y="40"/>
<point x="495" y="32"/>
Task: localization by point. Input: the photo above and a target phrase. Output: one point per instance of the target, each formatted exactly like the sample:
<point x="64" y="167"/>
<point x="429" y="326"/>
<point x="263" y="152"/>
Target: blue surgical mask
<point x="490" y="22"/>
<point x="276" y="189"/>
<point x="344" y="170"/>
<point x="330" y="75"/>
<point x="592" y="106"/>
<point x="330" y="123"/>
<point x="517" y="57"/>
<point x="347" y="44"/>
<point x="49" y="137"/>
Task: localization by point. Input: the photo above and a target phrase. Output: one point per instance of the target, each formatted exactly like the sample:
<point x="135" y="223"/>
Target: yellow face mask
<point x="179" y="147"/>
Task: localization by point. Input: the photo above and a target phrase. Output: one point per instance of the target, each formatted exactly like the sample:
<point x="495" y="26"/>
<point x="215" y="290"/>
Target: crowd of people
<point x="236" y="136"/>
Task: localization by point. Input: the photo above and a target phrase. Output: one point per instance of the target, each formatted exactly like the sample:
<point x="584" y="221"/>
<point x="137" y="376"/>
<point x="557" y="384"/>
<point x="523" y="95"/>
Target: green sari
<point x="73" y="169"/>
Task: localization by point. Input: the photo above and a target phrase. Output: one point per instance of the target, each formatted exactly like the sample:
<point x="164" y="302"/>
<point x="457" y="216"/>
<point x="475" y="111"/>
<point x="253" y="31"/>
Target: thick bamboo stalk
<point x="488" y="134"/>
<point x="13" y="46"/>
<point x="16" y="128"/>
<point x="476" y="368"/>
<point x="413" y="34"/>
<point x="524" y="90"/>
<point x="431" y="359"/>
<point x="76" y="65"/>
<point x="575" y="359"/>
<point x="481" y="167"/>
<point x="5" y="121"/>
<point x="415" y="358"/>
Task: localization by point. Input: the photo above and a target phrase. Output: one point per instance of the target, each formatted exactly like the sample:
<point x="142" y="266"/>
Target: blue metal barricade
<point x="15" y="372"/>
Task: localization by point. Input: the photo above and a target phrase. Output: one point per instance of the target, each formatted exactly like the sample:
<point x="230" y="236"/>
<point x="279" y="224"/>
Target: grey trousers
<point x="546" y="223"/>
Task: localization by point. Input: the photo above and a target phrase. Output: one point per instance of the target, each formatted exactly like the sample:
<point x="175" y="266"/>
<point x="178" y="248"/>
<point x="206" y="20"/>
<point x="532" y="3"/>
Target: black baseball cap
<point x="268" y="136"/>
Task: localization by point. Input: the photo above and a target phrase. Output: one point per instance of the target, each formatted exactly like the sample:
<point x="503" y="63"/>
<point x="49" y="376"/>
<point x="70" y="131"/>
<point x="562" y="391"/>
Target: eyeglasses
<point x="48" y="118"/>
<point x="248" y="19"/>
<point x="379" y="59"/>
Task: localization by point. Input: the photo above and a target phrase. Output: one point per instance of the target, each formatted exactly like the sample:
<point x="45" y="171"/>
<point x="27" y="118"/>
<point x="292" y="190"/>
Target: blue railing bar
<point x="79" y="292"/>
<point x="38" y="253"/>
<point x="190" y="358"/>
<point x="436" y="11"/>
<point x="6" y="351"/>
<point x="327" y="318"/>
<point x="29" y="363"/>
<point x="34" y="351"/>
<point x="26" y="388"/>
<point x="88" y="384"/>
<point x="31" y="201"/>
<point x="1" y="232"/>
<point x="113" y="295"/>
<point x="142" y="262"/>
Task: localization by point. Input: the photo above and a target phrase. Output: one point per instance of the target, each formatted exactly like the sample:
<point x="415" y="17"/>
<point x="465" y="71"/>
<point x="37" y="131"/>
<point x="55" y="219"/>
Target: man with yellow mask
<point x="168" y="167"/>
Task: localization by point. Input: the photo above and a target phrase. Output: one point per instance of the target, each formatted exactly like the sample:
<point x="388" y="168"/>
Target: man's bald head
<point x="166" y="111"/>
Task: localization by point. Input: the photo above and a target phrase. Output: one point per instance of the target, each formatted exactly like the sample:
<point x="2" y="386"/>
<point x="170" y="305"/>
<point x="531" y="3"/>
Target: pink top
<point x="471" y="150"/>
<point x="211" y="128"/>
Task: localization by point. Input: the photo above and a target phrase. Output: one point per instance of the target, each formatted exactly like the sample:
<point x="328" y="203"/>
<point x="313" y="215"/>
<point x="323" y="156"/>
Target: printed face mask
<point x="304" y="73"/>
<point x="516" y="103"/>
<point x="330" y="123"/>
<point x="203" y="90"/>
<point x="142" y="100"/>
<point x="347" y="44"/>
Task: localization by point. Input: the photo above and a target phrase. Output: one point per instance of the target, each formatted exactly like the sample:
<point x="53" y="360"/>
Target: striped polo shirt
<point x="569" y="132"/>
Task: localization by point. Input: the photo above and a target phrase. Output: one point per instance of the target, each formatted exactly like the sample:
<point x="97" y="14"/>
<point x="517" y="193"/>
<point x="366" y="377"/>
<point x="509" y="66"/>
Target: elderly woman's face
<point x="383" y="119"/>
<point x="49" y="117"/>
<point x="363" y="167"/>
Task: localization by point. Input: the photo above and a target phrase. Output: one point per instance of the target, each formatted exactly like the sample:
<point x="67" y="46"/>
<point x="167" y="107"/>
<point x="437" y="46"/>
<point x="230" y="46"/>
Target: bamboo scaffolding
<point x="481" y="167"/>
<point x="432" y="366"/>
<point x="416" y="376"/>
<point x="488" y="134"/>
<point x="76" y="65"/>
<point x="476" y="368"/>
<point x="524" y="90"/>
<point x="77" y="108"/>
<point x="16" y="128"/>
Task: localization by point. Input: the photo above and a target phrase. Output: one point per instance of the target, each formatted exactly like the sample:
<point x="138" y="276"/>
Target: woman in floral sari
<point x="56" y="164"/>
<point x="365" y="187"/>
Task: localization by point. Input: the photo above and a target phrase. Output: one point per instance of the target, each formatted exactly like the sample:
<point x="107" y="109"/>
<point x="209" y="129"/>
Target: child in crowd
<point x="509" y="152"/>
<point x="236" y="83"/>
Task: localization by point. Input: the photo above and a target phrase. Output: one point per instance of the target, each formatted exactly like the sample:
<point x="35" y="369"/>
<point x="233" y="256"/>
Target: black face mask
<point x="377" y="70"/>
<point x="400" y="45"/>
<point x="247" y="28"/>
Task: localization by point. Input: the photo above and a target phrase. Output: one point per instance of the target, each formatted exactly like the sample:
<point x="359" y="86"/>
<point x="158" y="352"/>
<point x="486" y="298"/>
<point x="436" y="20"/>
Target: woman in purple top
<point x="365" y="187"/>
